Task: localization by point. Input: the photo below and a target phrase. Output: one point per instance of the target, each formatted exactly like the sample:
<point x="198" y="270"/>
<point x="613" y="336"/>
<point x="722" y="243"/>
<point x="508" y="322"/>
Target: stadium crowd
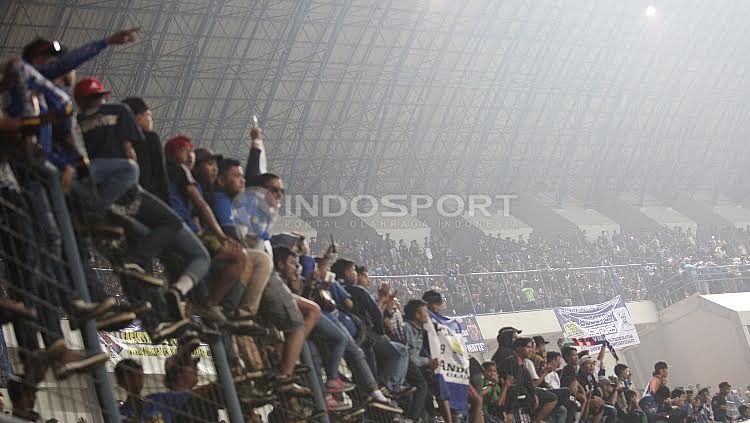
<point x="505" y="274"/>
<point x="131" y="199"/>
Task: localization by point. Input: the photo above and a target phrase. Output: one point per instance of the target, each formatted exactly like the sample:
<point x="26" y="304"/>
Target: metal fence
<point x="50" y="257"/>
<point x="513" y="291"/>
<point x="43" y="268"/>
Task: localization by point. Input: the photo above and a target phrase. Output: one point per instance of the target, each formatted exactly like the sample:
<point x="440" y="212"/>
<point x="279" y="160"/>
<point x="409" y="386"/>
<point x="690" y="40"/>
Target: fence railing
<point x="520" y="290"/>
<point x="40" y="267"/>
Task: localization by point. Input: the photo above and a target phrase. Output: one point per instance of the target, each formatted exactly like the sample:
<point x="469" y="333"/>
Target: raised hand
<point x="125" y="36"/>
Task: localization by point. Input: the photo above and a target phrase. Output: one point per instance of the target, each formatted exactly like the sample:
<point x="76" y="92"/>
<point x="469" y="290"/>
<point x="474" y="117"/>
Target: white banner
<point x="610" y="320"/>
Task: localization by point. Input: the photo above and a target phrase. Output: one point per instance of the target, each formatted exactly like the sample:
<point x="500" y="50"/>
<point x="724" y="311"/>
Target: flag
<point x="444" y="336"/>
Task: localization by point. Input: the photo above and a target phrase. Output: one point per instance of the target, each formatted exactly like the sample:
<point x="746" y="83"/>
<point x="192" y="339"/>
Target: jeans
<point x="164" y="226"/>
<point x="113" y="178"/>
<point x="416" y="407"/>
<point x="353" y="354"/>
<point x="335" y="343"/>
<point x="392" y="361"/>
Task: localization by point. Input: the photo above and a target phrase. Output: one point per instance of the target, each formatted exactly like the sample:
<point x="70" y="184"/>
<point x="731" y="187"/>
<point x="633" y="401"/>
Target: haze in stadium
<point x="374" y="211"/>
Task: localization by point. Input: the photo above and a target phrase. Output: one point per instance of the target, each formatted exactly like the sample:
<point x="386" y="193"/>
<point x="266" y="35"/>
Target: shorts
<point x="278" y="306"/>
<point x="212" y="243"/>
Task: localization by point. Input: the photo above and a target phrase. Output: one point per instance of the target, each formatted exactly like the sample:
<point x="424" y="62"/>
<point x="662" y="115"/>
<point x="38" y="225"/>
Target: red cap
<point x="89" y="86"/>
<point x="176" y="143"/>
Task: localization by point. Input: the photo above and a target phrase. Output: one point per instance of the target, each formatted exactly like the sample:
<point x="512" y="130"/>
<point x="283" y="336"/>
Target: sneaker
<point x="334" y="405"/>
<point x="246" y="328"/>
<point x="287" y="385"/>
<point x="77" y="362"/>
<point x="11" y="310"/>
<point x="138" y="309"/>
<point x="213" y="314"/>
<point x="82" y="310"/>
<point x="168" y="330"/>
<point x="398" y="392"/>
<point x="338" y="385"/>
<point x="135" y="271"/>
<point x="173" y="298"/>
<point x="114" y="321"/>
<point x="379" y="401"/>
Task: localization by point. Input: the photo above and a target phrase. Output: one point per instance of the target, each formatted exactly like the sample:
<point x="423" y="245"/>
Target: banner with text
<point x="472" y="334"/>
<point x="446" y="343"/>
<point x="611" y="320"/>
<point x="133" y="342"/>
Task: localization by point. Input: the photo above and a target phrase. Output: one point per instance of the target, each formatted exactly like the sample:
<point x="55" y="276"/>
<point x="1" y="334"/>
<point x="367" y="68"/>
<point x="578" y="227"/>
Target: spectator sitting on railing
<point x="189" y="203"/>
<point x="37" y="226"/>
<point x="388" y="357"/>
<point x="110" y="131"/>
<point x="230" y="184"/>
<point x="340" y="343"/>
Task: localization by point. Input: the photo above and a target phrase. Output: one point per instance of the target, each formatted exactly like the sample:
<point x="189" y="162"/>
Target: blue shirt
<point x="222" y="208"/>
<point x="148" y="412"/>
<point x="170" y="405"/>
<point x="340" y="295"/>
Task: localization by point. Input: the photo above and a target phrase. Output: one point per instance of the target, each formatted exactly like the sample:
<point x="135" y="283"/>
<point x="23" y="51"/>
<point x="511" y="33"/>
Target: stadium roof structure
<point x="573" y="97"/>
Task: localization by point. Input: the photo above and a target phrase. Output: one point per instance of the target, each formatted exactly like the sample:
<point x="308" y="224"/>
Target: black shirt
<point x="719" y="406"/>
<point x="500" y="355"/>
<point x="365" y="308"/>
<point x="153" y="177"/>
<point x="106" y="128"/>
<point x="589" y="383"/>
<point x="179" y="180"/>
<point x="524" y="384"/>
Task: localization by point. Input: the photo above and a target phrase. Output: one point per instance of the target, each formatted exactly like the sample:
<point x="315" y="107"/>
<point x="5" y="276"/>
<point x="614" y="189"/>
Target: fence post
<point x="224" y="374"/>
<point x="580" y="292"/>
<point x="471" y="297"/>
<point x="507" y="292"/>
<point x="102" y="382"/>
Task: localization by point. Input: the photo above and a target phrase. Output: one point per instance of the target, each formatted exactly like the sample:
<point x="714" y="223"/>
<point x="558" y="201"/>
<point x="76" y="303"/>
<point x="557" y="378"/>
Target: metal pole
<point x="507" y="292"/>
<point x="102" y="382"/>
<point x="315" y="387"/>
<point x="583" y="301"/>
<point x="224" y="374"/>
<point x="471" y="298"/>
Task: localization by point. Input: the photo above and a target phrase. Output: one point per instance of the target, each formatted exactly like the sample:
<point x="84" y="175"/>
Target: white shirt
<point x="552" y="380"/>
<point x="531" y="369"/>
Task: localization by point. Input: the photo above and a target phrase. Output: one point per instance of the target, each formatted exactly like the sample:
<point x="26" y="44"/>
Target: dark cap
<point x="723" y="385"/>
<point x="41" y="47"/>
<point x="540" y="340"/>
<point x="204" y="155"/>
<point x="660" y="366"/>
<point x="508" y="329"/>
<point x="432" y="297"/>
